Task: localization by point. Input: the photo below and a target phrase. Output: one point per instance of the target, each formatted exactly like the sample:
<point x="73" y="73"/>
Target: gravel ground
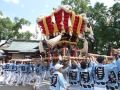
<point x="44" y="86"/>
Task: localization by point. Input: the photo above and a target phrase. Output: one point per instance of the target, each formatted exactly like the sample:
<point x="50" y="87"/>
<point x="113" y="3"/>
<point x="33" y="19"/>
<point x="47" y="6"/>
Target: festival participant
<point x="23" y="75"/>
<point x="57" y="80"/>
<point x="19" y="78"/>
<point x="5" y="68"/>
<point x="9" y="70"/>
<point x="52" y="66"/>
<point x="86" y="76"/>
<point x="28" y="73"/>
<point x="44" y="70"/>
<point x="112" y="83"/>
<point x="32" y="72"/>
<point x="71" y="73"/>
<point x="101" y="73"/>
<point x="13" y="72"/>
<point x="65" y="70"/>
<point x="17" y="73"/>
<point x="38" y="75"/>
<point x="117" y="57"/>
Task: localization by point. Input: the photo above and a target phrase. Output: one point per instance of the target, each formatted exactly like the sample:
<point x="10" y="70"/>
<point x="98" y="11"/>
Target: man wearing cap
<point x="57" y="80"/>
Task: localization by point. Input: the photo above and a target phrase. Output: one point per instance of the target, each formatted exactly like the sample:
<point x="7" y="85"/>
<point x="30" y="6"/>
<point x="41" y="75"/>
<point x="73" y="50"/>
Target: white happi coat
<point x="58" y="82"/>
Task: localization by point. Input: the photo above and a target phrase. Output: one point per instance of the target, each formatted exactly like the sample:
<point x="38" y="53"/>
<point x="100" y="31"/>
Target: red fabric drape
<point x="42" y="26"/>
<point x="50" y="24"/>
<point x="58" y="19"/>
<point x="66" y="17"/>
<point x="75" y="24"/>
<point x="82" y="27"/>
<point x="49" y="28"/>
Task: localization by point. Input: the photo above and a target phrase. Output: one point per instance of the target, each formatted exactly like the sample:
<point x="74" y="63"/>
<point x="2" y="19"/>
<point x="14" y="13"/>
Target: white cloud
<point x="33" y="29"/>
<point x="2" y="16"/>
<point x="30" y="28"/>
<point x="12" y="1"/>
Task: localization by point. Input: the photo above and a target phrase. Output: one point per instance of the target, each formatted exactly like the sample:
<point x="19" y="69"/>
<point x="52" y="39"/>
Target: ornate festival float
<point x="64" y="34"/>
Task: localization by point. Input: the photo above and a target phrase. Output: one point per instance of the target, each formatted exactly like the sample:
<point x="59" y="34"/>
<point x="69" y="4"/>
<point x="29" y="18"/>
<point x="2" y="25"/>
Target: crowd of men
<point x="23" y="73"/>
<point x="87" y="74"/>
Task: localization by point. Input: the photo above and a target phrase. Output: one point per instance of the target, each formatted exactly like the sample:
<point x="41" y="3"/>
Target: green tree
<point x="24" y="35"/>
<point x="98" y="18"/>
<point x="18" y="24"/>
<point x="9" y="29"/>
<point x="106" y="26"/>
<point x="79" y="6"/>
<point x="105" y="22"/>
<point x="6" y="26"/>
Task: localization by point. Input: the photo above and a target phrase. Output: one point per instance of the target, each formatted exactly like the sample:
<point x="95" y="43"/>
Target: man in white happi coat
<point x="101" y="73"/>
<point x="57" y="80"/>
<point x="86" y="76"/>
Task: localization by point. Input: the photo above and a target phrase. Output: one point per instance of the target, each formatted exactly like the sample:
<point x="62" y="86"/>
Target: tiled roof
<point x="23" y="46"/>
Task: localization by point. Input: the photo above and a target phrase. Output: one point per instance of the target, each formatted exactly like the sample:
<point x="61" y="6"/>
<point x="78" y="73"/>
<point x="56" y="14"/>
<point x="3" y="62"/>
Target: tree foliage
<point x="79" y="6"/>
<point x="105" y="22"/>
<point x="9" y="29"/>
<point x="24" y="35"/>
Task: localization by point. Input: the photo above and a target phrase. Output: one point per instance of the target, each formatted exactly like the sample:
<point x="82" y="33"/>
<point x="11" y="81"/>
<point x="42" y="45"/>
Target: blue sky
<point x="31" y="9"/>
